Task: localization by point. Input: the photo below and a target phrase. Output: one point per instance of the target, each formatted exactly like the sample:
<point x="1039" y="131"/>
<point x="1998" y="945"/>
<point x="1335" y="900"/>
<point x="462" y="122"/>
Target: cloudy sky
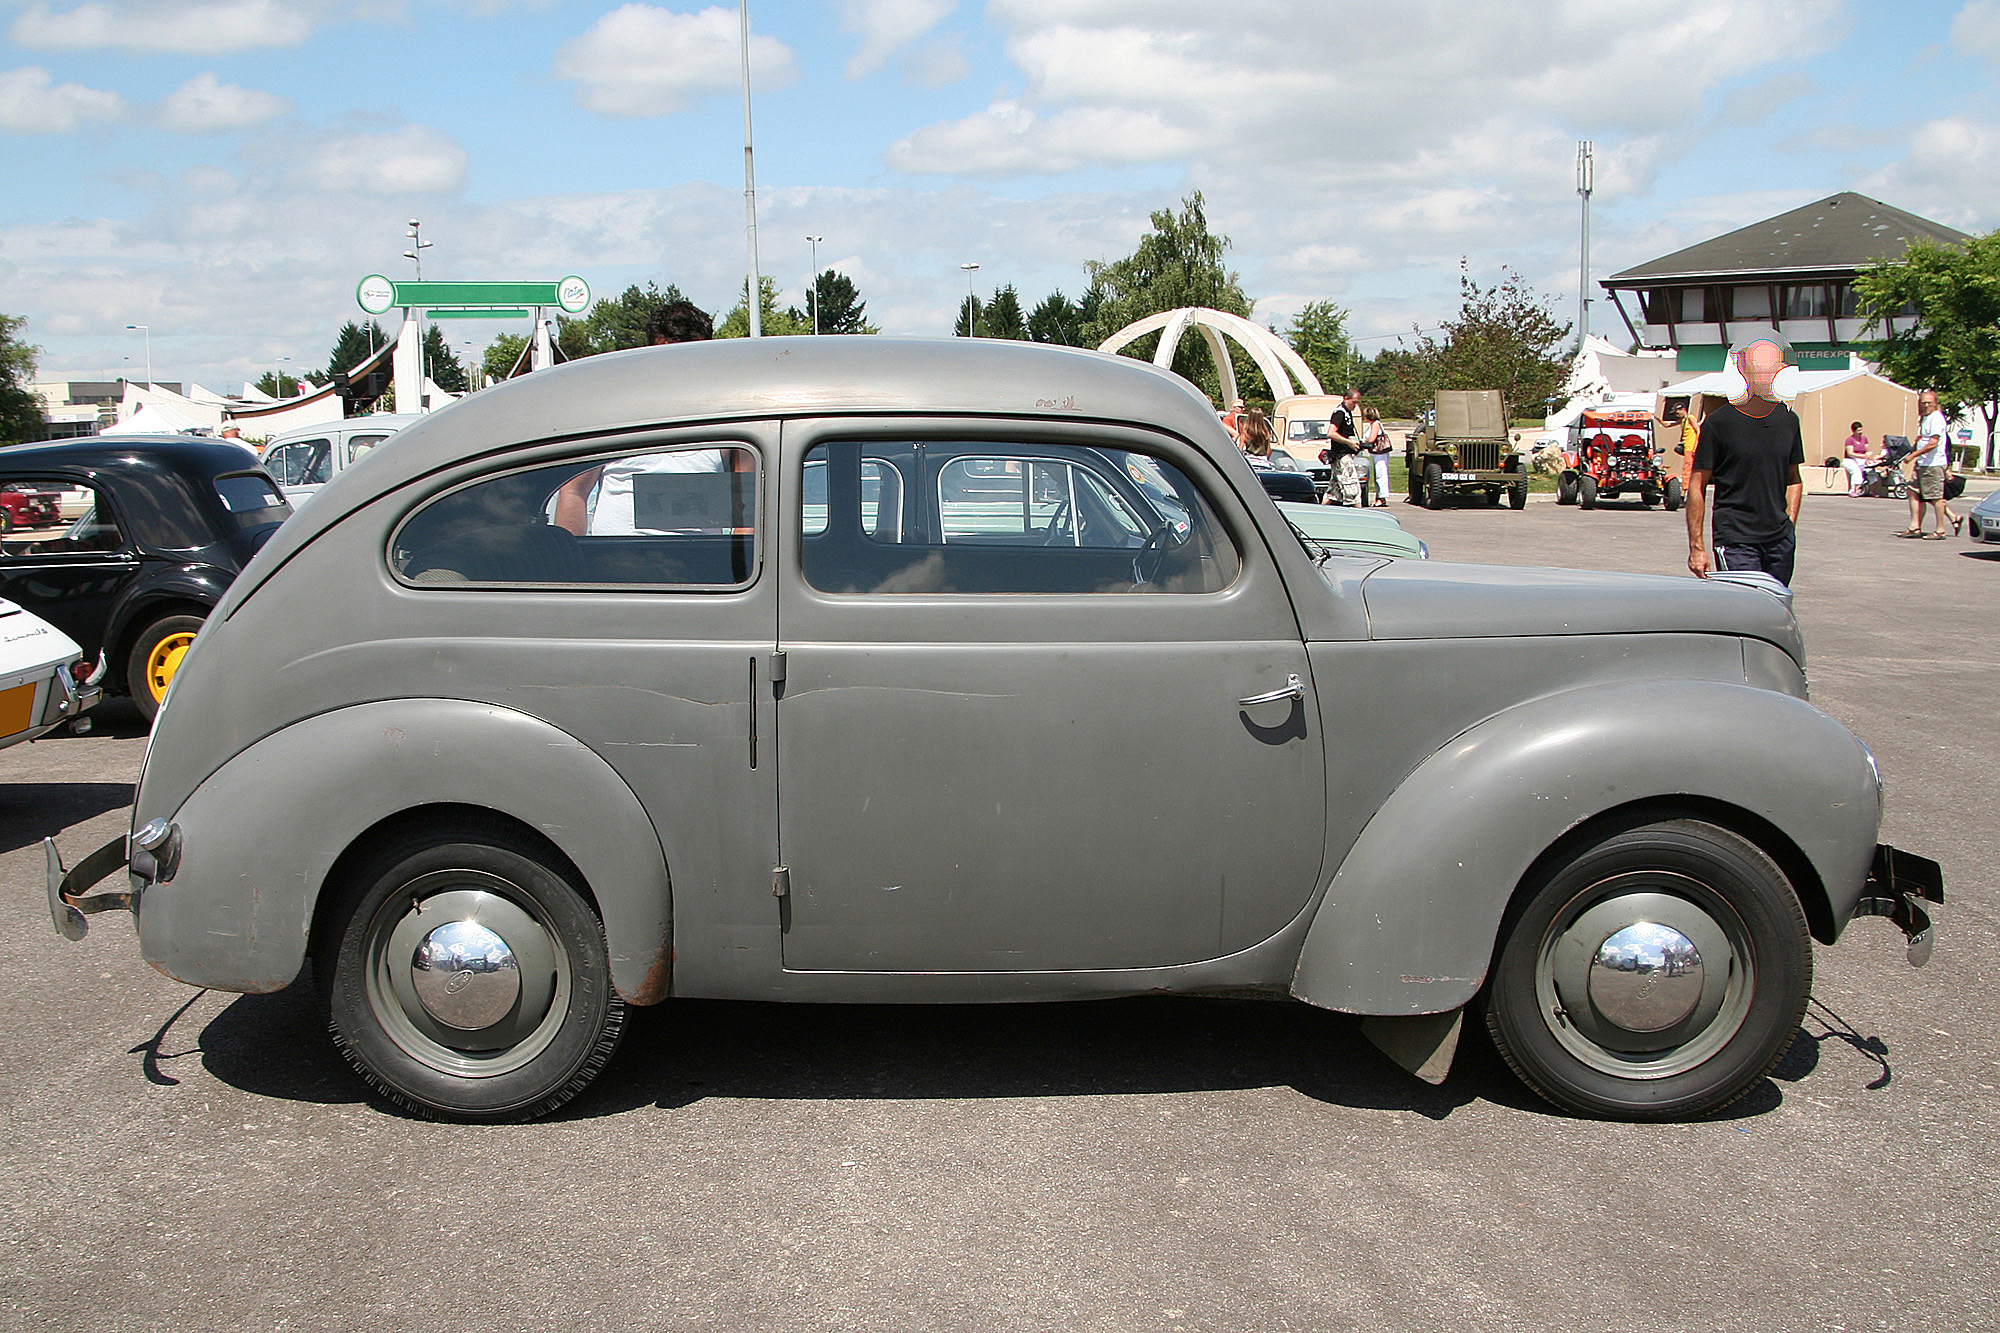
<point x="224" y="171"/>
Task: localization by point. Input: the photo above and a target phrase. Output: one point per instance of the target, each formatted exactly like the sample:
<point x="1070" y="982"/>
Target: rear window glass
<point x="681" y="518"/>
<point x="247" y="495"/>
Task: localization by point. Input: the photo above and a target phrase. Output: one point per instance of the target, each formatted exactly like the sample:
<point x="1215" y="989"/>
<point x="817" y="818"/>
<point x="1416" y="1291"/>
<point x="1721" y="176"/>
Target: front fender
<point x="259" y="835"/>
<point x="1411" y="918"/>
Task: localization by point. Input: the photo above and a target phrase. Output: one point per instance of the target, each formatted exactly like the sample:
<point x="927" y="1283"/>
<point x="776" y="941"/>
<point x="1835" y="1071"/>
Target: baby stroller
<point x="1883" y="477"/>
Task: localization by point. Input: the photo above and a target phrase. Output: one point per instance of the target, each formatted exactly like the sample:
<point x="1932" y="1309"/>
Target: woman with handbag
<point x="1375" y="440"/>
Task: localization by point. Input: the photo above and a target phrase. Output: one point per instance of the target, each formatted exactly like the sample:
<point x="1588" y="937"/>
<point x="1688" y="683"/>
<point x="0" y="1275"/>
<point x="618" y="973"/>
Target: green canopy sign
<point x="378" y="295"/>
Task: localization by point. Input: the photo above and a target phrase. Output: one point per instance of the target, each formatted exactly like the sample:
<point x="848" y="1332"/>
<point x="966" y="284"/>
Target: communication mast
<point x="1586" y="180"/>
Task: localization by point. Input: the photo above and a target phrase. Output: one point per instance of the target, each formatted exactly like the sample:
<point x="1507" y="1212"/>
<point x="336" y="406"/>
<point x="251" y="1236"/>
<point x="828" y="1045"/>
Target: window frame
<point x="127" y="547"/>
<point x="760" y="523"/>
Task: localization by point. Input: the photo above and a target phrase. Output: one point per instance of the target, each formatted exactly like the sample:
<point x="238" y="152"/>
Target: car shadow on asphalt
<point x="31" y="811"/>
<point x="685" y="1051"/>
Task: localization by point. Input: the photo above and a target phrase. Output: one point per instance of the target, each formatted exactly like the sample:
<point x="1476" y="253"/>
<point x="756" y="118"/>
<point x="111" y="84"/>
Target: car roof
<point x="754" y="379"/>
<point x="390" y="422"/>
<point x="115" y="453"/>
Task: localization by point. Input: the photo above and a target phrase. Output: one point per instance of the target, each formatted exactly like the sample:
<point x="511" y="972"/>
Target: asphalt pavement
<point x="192" y="1160"/>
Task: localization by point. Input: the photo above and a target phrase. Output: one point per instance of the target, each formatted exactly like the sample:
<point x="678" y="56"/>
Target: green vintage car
<point x="1344" y="528"/>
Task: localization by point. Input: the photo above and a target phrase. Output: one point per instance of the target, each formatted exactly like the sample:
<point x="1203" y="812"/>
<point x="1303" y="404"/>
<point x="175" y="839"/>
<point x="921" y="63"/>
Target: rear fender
<point x="260" y="835"/>
<point x="1410" y="921"/>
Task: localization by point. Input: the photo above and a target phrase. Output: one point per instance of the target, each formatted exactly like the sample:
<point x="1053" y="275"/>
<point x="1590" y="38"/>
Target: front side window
<point x="681" y="518"/>
<point x="300" y="463"/>
<point x="958" y="517"/>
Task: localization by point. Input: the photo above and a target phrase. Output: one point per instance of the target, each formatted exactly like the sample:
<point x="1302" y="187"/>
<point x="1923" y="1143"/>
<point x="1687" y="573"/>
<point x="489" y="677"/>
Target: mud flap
<point x="1423" y="1044"/>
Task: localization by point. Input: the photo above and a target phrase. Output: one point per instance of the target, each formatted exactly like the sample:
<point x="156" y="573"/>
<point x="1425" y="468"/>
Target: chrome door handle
<point x="1294" y="689"/>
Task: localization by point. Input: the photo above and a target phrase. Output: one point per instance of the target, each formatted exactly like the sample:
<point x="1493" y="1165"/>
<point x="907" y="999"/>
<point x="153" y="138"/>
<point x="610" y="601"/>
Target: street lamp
<point x="278" y="379"/>
<point x="149" y="350"/>
<point x="971" y="302"/>
<point x="813" y="290"/>
<point x="417" y="246"/>
<point x="753" y="290"/>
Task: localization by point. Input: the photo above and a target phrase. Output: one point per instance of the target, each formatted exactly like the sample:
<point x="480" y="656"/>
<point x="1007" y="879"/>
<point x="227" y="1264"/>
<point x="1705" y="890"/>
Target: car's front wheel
<point x="1586" y="492"/>
<point x="1433" y="486"/>
<point x="465" y="974"/>
<point x="1656" y="974"/>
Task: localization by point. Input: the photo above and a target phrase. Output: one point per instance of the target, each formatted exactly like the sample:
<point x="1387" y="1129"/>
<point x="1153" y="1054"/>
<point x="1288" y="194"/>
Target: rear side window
<point x="681" y="518"/>
<point x="251" y="499"/>
<point x="988" y="517"/>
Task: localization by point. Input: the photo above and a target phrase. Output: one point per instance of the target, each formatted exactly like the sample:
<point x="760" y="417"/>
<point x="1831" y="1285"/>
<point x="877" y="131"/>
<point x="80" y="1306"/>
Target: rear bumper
<point x="152" y="854"/>
<point x="1898" y="884"/>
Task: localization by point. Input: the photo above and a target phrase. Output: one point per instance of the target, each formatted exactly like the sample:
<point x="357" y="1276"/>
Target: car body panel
<point x="1369" y="531"/>
<point x="1407" y="925"/>
<point x="1983" y="523"/>
<point x="34" y="699"/>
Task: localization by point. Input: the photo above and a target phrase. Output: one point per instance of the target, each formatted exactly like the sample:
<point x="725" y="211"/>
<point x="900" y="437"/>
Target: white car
<point x="301" y="461"/>
<point x="45" y="680"/>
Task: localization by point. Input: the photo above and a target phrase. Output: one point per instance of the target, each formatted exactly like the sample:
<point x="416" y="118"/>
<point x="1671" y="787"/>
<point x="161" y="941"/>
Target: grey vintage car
<point x="869" y="670"/>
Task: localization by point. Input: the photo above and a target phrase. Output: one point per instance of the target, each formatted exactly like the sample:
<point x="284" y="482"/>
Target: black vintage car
<point x="165" y="524"/>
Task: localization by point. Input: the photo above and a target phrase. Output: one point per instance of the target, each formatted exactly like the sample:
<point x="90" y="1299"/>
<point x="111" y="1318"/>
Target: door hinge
<point x="778" y="667"/>
<point x="781" y="882"/>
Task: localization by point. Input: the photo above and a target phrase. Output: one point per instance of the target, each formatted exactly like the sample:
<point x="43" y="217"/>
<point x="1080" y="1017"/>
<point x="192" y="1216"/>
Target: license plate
<point x="1461" y="476"/>
<point x="17" y="709"/>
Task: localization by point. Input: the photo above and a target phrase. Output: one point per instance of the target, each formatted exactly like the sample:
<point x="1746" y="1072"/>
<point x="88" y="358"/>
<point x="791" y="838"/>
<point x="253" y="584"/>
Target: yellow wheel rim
<point x="164" y="660"/>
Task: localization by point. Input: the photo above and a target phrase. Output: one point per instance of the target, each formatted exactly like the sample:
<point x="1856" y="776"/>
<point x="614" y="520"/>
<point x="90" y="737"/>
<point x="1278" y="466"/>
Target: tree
<point x="281" y="385"/>
<point x="501" y="355"/>
<point x="619" y="322"/>
<point x="841" y="309"/>
<point x="1178" y="263"/>
<point x="20" y="409"/>
<point x="354" y="344"/>
<point x="1318" y="333"/>
<point x="1953" y="343"/>
<point x="776" y="322"/>
<point x="1056" y="320"/>
<point x="970" y="315"/>
<point x="444" y="368"/>
<point x="1505" y="337"/>
<point x="1002" y="318"/>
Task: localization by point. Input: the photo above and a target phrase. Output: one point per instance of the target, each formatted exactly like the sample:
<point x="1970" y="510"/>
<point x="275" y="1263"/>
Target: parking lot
<point x="194" y="1160"/>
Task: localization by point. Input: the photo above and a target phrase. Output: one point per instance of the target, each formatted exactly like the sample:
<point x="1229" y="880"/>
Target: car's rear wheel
<point x="1433" y="486"/>
<point x="465" y="974"/>
<point x="1586" y="492"/>
<point x="1656" y="974"/>
<point x="1673" y="497"/>
<point x="1566" y="489"/>
<point x="156" y="658"/>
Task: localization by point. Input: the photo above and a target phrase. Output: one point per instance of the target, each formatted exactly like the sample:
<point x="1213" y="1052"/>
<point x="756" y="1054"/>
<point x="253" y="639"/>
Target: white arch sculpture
<point x="1281" y="365"/>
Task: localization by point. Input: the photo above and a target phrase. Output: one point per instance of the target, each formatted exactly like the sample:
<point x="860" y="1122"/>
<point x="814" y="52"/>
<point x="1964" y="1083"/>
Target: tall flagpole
<point x="1586" y="181"/>
<point x="754" y="293"/>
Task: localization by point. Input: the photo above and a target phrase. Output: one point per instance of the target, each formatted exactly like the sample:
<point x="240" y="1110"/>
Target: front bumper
<point x="1898" y="883"/>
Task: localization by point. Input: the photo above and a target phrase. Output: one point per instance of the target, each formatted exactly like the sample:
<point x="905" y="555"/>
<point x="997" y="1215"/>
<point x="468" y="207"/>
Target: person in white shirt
<point x="1928" y="463"/>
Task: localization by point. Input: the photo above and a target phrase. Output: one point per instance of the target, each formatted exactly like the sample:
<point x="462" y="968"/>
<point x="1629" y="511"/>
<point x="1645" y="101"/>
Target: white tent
<point x="187" y="411"/>
<point x="159" y="419"/>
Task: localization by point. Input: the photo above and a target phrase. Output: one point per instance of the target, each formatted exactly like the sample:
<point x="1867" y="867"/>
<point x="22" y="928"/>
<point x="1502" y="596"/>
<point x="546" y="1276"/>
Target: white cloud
<point x="1007" y="139"/>
<point x="1976" y="29"/>
<point x="885" y="25"/>
<point x="203" y="106"/>
<point x="641" y="60"/>
<point x="1950" y="174"/>
<point x="936" y="64"/>
<point x="412" y="160"/>
<point x="198" y="27"/>
<point x="31" y="103"/>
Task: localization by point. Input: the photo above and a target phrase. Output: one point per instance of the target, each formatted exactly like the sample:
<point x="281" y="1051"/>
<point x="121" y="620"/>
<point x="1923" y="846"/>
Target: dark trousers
<point x="1773" y="557"/>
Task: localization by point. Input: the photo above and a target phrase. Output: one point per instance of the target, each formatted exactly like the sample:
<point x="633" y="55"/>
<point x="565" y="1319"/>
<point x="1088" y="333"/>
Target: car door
<point x="1046" y="706"/>
<point x="300" y="467"/>
<point x="69" y="573"/>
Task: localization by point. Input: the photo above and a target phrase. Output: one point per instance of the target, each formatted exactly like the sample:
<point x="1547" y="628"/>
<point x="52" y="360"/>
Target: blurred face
<point x="1760" y="364"/>
<point x="1927" y="402"/>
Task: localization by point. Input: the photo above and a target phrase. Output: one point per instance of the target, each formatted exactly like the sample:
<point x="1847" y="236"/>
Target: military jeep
<point x="1461" y="448"/>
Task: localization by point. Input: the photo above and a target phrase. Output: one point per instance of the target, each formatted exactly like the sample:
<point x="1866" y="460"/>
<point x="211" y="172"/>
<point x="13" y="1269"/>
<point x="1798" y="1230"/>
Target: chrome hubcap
<point x="1646" y="978"/>
<point x="465" y="976"/>
<point x="1645" y="975"/>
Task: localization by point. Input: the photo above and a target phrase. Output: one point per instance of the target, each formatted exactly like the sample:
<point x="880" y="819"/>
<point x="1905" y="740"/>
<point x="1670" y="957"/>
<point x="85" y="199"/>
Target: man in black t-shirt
<point x="1751" y="448"/>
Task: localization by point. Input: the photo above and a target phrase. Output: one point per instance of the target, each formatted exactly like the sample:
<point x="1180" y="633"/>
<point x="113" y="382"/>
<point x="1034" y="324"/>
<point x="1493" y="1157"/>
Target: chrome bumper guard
<point x="1897" y="882"/>
<point x="153" y="853"/>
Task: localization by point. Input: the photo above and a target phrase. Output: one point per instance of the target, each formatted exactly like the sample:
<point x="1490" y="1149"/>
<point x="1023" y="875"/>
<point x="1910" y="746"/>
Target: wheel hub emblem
<point x="466" y="976"/>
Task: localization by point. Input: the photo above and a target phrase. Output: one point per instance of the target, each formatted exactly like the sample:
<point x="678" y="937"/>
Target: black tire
<point x="1413" y="476"/>
<point x="1433" y="486"/>
<point x="564" y="1022"/>
<point x="1566" y="489"/>
<point x="1517" y="496"/>
<point x="1673" y="496"/>
<point x="155" y="657"/>
<point x="1648" y="498"/>
<point x="6" y="522"/>
<point x="1553" y="1012"/>
<point x="1586" y="492"/>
